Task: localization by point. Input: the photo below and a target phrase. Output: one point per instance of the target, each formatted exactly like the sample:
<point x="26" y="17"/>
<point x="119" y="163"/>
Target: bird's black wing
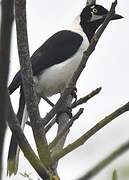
<point x="59" y="47"/>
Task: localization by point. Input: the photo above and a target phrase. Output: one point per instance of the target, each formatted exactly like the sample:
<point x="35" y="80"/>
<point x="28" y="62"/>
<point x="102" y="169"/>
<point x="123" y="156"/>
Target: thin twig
<point x="48" y="101"/>
<point x="52" y="122"/>
<point x="91" y="132"/>
<point x="86" y="98"/>
<point x="102" y="164"/>
<point x="66" y="128"/>
<point x="28" y="83"/>
<point x="48" y="126"/>
<point x="89" y="2"/>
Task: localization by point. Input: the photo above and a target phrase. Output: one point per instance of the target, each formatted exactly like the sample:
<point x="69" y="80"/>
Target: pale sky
<point x="107" y="67"/>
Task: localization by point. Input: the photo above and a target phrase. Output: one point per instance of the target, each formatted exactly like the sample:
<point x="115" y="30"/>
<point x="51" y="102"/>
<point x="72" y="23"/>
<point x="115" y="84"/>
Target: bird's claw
<point x="67" y="110"/>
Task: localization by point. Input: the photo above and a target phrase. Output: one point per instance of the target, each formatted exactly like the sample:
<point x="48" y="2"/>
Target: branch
<point x="28" y="83"/>
<point x="48" y="101"/>
<point x="86" y="98"/>
<point x="80" y="141"/>
<point x="48" y="126"/>
<point x="63" y="119"/>
<point x="102" y="164"/>
<point x="89" y="2"/>
<point x="23" y="143"/>
<point x="52" y="122"/>
<point x="66" y="128"/>
<point x="75" y="104"/>
<point x="5" y="37"/>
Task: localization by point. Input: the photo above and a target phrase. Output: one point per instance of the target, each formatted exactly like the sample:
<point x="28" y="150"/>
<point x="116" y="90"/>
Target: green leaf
<point x="114" y="175"/>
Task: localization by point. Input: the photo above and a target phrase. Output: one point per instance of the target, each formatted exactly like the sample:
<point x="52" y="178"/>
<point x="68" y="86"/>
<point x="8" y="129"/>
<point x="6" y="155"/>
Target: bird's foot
<point x="67" y="110"/>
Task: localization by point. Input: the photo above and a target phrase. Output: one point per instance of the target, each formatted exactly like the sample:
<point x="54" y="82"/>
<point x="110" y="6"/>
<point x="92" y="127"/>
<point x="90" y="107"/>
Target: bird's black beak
<point x="116" y="16"/>
<point x="102" y="17"/>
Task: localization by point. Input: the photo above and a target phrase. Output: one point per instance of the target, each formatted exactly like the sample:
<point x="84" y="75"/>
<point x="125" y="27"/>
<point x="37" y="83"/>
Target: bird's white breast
<point x="54" y="79"/>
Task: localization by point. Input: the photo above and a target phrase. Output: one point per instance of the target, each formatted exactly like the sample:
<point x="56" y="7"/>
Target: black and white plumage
<point x="54" y="63"/>
<point x="52" y="70"/>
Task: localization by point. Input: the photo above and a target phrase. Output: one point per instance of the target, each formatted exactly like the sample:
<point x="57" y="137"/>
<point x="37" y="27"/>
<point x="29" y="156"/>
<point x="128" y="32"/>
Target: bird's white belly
<point x="56" y="78"/>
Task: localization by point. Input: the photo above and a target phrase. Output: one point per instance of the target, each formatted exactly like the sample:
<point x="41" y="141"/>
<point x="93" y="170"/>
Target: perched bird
<point x="54" y="63"/>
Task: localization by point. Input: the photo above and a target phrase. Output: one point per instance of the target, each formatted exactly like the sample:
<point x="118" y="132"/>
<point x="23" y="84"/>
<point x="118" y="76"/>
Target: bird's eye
<point x="95" y="10"/>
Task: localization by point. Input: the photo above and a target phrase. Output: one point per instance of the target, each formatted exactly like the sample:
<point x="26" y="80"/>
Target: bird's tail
<point x="13" y="154"/>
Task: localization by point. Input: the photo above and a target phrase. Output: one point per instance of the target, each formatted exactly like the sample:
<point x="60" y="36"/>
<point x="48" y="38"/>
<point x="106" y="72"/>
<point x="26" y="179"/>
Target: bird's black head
<point x="92" y="17"/>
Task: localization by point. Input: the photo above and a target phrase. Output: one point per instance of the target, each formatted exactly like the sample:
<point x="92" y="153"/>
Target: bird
<point x="55" y="61"/>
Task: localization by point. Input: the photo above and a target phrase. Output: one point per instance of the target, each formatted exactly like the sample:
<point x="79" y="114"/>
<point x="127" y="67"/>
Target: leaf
<point x="114" y="175"/>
